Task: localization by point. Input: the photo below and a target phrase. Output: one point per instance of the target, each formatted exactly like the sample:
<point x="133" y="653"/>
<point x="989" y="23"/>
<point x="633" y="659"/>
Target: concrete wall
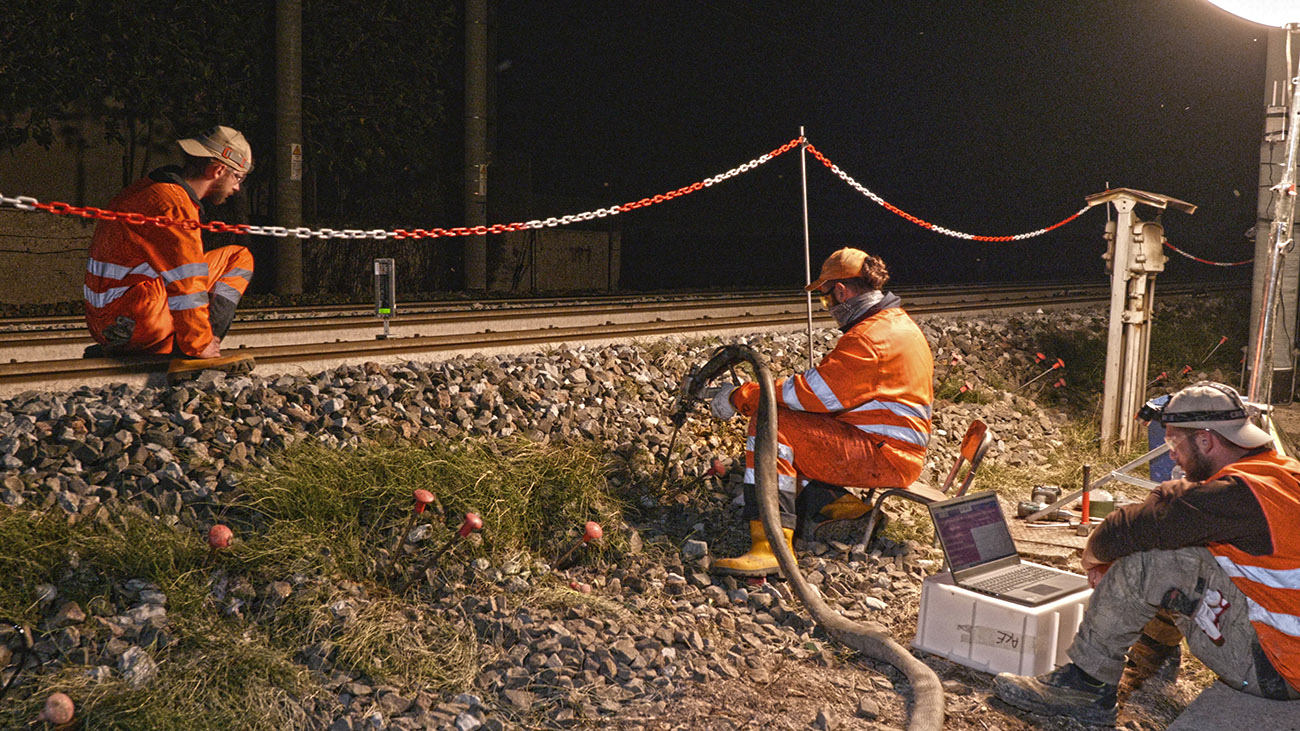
<point x="80" y="167"/>
<point x="42" y="257"/>
<point x="556" y="260"/>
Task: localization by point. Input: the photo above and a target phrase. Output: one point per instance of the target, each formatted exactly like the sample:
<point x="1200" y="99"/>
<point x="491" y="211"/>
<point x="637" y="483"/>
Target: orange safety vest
<point x="1271" y="583"/>
<point x="879" y="378"/>
<point x="123" y="255"/>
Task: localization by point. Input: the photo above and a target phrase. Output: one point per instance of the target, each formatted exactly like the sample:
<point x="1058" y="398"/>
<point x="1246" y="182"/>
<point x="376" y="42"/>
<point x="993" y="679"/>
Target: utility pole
<point x="1273" y="150"/>
<point x="288" y="143"/>
<point x="476" y="163"/>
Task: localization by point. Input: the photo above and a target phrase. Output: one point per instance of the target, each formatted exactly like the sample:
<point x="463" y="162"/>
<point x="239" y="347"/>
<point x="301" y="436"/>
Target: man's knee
<point x="230" y="261"/>
<point x="1165" y="578"/>
<point x="242" y="258"/>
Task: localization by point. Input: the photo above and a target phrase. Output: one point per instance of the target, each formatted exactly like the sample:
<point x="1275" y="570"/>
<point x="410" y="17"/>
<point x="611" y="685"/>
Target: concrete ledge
<point x="1220" y="707"/>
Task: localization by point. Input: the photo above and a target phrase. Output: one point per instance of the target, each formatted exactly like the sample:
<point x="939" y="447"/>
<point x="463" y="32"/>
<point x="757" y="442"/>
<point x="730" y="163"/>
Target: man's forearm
<point x="1178" y="514"/>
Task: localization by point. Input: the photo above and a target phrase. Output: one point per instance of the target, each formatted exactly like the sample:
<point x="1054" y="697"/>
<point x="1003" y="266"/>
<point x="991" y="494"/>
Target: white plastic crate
<point x="996" y="636"/>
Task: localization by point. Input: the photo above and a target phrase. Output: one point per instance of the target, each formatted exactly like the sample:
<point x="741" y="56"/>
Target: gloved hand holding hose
<point x="719" y="398"/>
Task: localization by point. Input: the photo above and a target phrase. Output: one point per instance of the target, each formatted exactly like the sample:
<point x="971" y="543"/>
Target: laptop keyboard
<point x="1019" y="576"/>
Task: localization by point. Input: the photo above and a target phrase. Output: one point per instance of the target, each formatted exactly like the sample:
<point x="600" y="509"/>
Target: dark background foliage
<point x="380" y="146"/>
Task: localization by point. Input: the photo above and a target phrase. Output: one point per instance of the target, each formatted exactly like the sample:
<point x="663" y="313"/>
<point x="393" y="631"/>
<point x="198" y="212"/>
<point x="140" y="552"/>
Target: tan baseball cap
<point x="1219" y="408"/>
<point x="223" y="143"/>
<point x="844" y="264"/>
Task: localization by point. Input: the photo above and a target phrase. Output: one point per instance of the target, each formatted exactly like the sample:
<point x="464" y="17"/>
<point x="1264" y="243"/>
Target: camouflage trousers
<point x="1139" y="585"/>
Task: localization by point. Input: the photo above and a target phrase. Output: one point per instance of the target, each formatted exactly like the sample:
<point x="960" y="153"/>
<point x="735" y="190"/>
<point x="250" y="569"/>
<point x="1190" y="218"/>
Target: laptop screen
<point x="973" y="530"/>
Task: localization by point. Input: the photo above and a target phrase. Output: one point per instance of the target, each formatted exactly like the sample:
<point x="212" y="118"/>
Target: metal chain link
<point x="26" y="203"/>
<point x="926" y="224"/>
<point x="1207" y="261"/>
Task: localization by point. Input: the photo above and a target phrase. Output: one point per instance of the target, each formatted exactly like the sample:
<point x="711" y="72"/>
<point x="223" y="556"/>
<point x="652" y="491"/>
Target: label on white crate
<point x="996" y="637"/>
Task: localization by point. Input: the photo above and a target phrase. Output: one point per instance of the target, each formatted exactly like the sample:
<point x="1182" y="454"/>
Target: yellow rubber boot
<point x="759" y="561"/>
<point x="845" y="507"/>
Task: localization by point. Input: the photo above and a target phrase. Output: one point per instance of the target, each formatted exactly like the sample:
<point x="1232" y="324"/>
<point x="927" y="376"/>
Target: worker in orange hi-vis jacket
<point x="860" y="418"/>
<point x="152" y="289"/>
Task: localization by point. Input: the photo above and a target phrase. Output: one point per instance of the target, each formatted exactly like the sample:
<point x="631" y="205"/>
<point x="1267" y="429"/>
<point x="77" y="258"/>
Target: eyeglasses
<point x="827" y="296"/>
<point x="1174" y="440"/>
<point x="238" y="176"/>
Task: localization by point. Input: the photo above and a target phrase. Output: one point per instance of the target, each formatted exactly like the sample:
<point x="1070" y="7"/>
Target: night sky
<point x="983" y="116"/>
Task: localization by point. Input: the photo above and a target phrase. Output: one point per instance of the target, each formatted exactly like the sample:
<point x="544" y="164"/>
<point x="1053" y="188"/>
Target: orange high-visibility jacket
<point x="878" y="378"/>
<point x="1271" y="583"/>
<point x="122" y="255"/>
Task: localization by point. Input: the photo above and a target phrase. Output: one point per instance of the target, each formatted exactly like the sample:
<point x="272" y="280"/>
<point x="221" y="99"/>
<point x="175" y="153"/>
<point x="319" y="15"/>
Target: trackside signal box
<point x="385" y="293"/>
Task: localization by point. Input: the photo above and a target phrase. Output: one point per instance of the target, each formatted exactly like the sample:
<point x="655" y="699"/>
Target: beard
<point x="1199" y="468"/>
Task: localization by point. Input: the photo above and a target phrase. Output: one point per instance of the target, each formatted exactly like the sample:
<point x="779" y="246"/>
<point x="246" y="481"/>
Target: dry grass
<point x="393" y="643"/>
<point x="318" y="517"/>
<point x="218" y="676"/>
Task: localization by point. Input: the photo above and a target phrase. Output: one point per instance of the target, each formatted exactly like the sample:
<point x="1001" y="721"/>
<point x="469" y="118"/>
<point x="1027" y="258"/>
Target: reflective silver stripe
<point x="783" y="451"/>
<point x="790" y="398"/>
<point x="117" y="271"/>
<point x="901" y="433"/>
<point x="896" y="407"/>
<point x="784" y="483"/>
<point x="185" y="271"/>
<point x="1288" y="624"/>
<point x="822" y="391"/>
<point x="1276" y="578"/>
<point x="225" y="291"/>
<point x="187" y="301"/>
<point x="101" y="299"/>
<point x="241" y="273"/>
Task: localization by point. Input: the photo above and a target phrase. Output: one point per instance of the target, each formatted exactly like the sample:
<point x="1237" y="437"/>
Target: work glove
<point x="720" y="400"/>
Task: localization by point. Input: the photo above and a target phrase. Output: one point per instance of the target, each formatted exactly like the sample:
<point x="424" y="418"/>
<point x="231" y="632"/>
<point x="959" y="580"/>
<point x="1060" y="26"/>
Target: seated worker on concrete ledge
<point x="860" y="418"/>
<point x="1219" y="549"/>
<point x="152" y="289"/>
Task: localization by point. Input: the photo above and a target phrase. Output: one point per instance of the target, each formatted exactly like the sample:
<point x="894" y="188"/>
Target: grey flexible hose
<point x="871" y="639"/>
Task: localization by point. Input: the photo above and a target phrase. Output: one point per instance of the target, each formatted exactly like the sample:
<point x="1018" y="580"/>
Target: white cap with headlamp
<point x="1219" y="408"/>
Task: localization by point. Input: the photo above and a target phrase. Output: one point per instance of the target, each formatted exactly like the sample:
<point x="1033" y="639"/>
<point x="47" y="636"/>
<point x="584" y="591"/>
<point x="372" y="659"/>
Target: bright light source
<point x="1275" y="13"/>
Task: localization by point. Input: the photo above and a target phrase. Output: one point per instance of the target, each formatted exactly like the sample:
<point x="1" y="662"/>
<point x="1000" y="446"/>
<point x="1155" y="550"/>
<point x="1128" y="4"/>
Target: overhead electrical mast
<point x="1275" y="14"/>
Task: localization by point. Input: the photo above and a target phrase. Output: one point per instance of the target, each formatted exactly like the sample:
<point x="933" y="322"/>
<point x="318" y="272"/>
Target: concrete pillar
<point x="476" y="162"/>
<point x="288" y="143"/>
<point x="1272" y="162"/>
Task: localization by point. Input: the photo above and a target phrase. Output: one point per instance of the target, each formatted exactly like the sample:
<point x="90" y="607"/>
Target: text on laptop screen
<point x="973" y="532"/>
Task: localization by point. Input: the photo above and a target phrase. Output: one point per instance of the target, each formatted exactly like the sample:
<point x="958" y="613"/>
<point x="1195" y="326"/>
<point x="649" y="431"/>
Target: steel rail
<point x="16" y="325"/>
<point x="58" y="344"/>
<point x="66" y="373"/>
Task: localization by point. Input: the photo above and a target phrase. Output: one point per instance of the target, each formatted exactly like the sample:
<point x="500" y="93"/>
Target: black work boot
<point x="1066" y="691"/>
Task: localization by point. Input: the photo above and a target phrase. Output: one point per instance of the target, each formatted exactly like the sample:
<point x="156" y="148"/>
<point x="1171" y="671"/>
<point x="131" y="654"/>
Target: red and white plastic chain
<point x="926" y="224"/>
<point x="27" y="203"/>
<point x="1207" y="261"/>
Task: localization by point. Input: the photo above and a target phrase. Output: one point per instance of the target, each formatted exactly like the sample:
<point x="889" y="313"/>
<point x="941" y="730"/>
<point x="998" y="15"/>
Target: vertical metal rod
<point x="807" y="257"/>
<point x="1279" y="241"/>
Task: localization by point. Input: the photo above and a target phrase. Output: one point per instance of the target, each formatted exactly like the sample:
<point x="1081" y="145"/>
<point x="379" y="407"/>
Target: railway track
<point x="309" y="339"/>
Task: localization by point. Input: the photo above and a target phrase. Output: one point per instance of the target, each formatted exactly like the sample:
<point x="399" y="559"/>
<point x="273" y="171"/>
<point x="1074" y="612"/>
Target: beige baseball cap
<point x="1219" y="408"/>
<point x="843" y="264"/>
<point x="223" y="143"/>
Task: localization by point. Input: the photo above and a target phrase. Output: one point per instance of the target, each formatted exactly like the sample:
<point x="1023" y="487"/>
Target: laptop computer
<point x="982" y="556"/>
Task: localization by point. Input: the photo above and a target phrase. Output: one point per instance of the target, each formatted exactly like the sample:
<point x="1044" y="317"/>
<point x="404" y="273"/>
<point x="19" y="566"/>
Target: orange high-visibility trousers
<point x="821" y="447"/>
<point x="140" y="322"/>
